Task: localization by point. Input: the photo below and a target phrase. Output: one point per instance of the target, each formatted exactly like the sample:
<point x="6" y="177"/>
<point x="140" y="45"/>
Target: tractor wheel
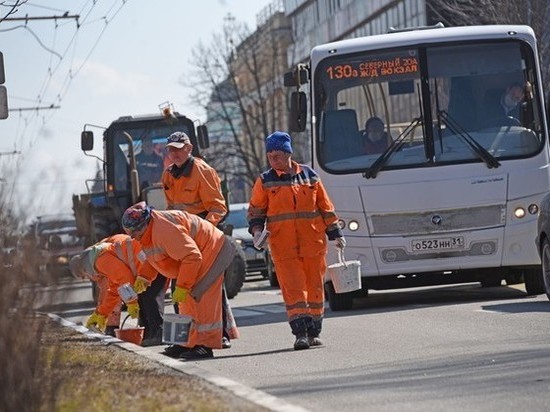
<point x="235" y="273"/>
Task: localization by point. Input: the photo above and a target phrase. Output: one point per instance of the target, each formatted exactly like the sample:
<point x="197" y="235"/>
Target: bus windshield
<point x="409" y="107"/>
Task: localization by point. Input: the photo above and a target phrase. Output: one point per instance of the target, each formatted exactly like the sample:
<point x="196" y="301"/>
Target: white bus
<point x="451" y="193"/>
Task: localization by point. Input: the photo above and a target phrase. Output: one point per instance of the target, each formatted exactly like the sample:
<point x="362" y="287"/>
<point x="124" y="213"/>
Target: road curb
<point x="255" y="396"/>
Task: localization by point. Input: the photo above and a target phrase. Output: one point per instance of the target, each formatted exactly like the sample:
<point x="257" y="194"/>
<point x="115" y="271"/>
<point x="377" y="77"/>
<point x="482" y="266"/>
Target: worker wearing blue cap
<point x="290" y="202"/>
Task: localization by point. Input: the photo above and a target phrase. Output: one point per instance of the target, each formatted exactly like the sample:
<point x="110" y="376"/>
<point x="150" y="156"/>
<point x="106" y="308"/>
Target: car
<point x="57" y="241"/>
<point x="257" y="261"/>
<point x="543" y="246"/>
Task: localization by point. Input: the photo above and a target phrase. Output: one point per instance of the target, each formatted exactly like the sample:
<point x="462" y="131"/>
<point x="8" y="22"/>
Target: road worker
<point x="290" y="201"/>
<point x="190" y="184"/>
<point x="111" y="263"/>
<point x="195" y="253"/>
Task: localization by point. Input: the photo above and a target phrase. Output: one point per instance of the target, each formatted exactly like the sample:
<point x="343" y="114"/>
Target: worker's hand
<point x="141" y="284"/>
<point x="340" y="242"/>
<point x="179" y="295"/>
<point x="98" y="321"/>
<point x="133" y="309"/>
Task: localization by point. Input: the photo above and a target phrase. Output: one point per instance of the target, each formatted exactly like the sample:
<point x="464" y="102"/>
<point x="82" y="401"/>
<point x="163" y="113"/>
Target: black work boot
<point x="301" y="342"/>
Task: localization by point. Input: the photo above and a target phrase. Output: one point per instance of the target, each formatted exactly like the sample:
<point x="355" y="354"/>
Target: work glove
<point x="340" y="242"/>
<point x="98" y="321"/>
<point x="179" y="295"/>
<point x="133" y="309"/>
<point x="141" y="284"/>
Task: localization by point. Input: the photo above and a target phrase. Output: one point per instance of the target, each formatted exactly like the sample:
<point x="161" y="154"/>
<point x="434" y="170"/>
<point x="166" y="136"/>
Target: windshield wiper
<point x="458" y="130"/>
<point x="372" y="171"/>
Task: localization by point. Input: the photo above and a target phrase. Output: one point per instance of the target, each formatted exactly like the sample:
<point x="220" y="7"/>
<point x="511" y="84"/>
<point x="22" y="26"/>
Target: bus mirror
<point x="86" y="140"/>
<point x="296" y="77"/>
<point x="204" y="141"/>
<point x="298" y="112"/>
<point x="289" y="80"/>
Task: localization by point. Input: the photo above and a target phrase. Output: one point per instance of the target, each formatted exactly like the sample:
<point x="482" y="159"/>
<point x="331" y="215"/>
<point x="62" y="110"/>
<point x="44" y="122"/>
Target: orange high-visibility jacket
<point x="195" y="188"/>
<point x="187" y="248"/>
<point x="118" y="262"/>
<point x="296" y="209"/>
<point x="182" y="246"/>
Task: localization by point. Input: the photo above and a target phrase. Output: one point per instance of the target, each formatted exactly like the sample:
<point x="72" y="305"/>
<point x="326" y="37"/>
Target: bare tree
<point x="12" y="8"/>
<point x="534" y="13"/>
<point x="238" y="81"/>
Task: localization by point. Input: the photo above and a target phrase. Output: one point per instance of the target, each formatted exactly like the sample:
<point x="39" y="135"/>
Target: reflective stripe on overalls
<point x="129" y="257"/>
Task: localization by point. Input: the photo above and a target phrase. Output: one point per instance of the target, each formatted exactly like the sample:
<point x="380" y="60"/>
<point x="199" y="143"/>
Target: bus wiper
<point x="372" y="171"/>
<point x="478" y="149"/>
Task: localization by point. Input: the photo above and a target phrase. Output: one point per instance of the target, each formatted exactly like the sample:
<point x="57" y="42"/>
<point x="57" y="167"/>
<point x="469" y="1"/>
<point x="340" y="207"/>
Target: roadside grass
<point x="87" y="375"/>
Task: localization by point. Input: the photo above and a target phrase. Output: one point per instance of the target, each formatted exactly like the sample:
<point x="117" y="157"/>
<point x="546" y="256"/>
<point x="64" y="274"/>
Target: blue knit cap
<point x="278" y="141"/>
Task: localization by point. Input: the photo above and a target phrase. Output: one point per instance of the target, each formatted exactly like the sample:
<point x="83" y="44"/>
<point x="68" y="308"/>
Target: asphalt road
<point x="452" y="348"/>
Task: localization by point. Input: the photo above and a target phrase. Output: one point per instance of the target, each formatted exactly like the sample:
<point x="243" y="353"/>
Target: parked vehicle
<point x="257" y="261"/>
<point x="543" y="241"/>
<point x="57" y="242"/>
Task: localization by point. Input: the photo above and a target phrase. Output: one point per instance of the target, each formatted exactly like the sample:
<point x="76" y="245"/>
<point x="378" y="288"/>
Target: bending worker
<point x="290" y="201"/>
<point x="113" y="262"/>
<point x="195" y="253"/>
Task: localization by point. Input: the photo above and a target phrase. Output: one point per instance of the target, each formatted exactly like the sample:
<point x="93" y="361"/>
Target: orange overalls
<point x="189" y="249"/>
<point x="195" y="188"/>
<point x="117" y="263"/>
<point x="297" y="211"/>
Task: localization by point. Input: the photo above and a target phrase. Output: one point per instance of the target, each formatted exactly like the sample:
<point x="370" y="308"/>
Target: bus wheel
<point x="545" y="253"/>
<point x="338" y="301"/>
<point x="533" y="278"/>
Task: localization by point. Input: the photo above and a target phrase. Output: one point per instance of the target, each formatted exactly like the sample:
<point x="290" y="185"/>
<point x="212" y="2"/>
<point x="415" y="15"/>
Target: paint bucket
<point x="345" y="276"/>
<point x="131" y="335"/>
<point x="175" y="329"/>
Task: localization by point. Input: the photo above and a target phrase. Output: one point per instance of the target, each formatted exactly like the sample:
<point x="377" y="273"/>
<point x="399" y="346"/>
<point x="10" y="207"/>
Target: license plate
<point x="435" y="244"/>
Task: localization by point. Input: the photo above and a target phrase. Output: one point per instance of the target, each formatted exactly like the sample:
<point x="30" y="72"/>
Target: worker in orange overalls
<point x="290" y="201"/>
<point x="195" y="253"/>
<point x="113" y="262"/>
<point x="190" y="184"/>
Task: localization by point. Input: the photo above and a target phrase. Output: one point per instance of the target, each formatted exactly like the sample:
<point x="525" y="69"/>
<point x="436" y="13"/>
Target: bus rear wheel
<point x="534" y="282"/>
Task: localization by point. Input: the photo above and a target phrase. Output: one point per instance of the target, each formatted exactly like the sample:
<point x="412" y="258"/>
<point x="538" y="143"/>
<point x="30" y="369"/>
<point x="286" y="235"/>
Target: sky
<point x="126" y="58"/>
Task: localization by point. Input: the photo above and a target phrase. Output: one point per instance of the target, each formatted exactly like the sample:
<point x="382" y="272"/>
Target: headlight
<point x="239" y="242"/>
<point x="353" y="225"/>
<point x="519" y="212"/>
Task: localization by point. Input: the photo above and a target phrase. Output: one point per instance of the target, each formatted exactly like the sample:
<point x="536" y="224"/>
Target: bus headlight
<point x="353" y="225"/>
<point x="519" y="212"/>
<point x="533" y="209"/>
